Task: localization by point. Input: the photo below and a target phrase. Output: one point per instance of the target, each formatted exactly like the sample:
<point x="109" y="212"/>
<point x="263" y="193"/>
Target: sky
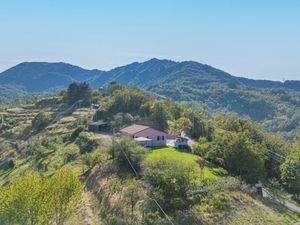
<point x="251" y="38"/>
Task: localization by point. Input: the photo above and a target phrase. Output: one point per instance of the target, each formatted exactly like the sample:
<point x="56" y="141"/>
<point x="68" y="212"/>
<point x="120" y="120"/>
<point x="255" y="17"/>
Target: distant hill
<point x="43" y="76"/>
<point x="156" y="72"/>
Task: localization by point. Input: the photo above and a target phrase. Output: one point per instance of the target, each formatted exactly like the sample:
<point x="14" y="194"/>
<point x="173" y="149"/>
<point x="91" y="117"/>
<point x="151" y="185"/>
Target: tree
<point x="41" y="120"/>
<point x="24" y="201"/>
<point x="177" y="126"/>
<point x="170" y="182"/>
<point x="159" y="114"/>
<point x="244" y="158"/>
<point x="65" y="190"/>
<point x="31" y="200"/>
<point x="290" y="170"/>
<point x="78" y="91"/>
<point x="127" y="100"/>
<point x="132" y="193"/>
<point x="125" y="149"/>
<point x="237" y="153"/>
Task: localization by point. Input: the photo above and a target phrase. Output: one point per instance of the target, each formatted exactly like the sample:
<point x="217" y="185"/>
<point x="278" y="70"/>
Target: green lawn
<point x="210" y="171"/>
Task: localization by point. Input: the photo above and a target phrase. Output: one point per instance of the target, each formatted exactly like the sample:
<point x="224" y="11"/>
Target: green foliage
<point x="86" y="142"/>
<point x="170" y="182"/>
<point x="95" y="158"/>
<point x="65" y="194"/>
<point x="276" y="109"/>
<point x="290" y="170"/>
<point x="8" y="164"/>
<point x="124" y="149"/>
<point x="24" y="201"/>
<point x="78" y="91"/>
<point x="76" y="133"/>
<point x="179" y="125"/>
<point x="112" y="87"/>
<point x="244" y="159"/>
<point x="33" y="200"/>
<point x="240" y="148"/>
<point x="132" y="194"/>
<point x="41" y="120"/>
<point x="71" y="152"/>
<point x="159" y="114"/>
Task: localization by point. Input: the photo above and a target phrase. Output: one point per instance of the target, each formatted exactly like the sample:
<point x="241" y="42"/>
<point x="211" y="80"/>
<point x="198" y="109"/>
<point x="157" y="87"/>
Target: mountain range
<point x="43" y="76"/>
<point x="274" y="104"/>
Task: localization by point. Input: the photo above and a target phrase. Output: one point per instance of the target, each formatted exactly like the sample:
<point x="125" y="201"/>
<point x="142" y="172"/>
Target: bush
<point x="86" y="142"/>
<point x="9" y="164"/>
<point x="134" y="152"/>
<point x="71" y="153"/>
<point x="41" y="120"/>
<point x="171" y="180"/>
<point x="76" y="133"/>
<point x="94" y="158"/>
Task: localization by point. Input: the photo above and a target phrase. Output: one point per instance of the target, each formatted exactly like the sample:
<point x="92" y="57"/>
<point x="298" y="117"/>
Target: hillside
<point x="49" y="138"/>
<point x="45" y="77"/>
<point x="187" y="73"/>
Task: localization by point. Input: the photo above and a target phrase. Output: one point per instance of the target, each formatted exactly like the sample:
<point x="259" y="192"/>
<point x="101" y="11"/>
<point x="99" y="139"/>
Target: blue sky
<point x="255" y="38"/>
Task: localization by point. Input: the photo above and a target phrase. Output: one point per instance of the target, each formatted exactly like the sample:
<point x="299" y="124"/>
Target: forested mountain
<point x="155" y="71"/>
<point x="275" y="104"/>
<point x="43" y="76"/>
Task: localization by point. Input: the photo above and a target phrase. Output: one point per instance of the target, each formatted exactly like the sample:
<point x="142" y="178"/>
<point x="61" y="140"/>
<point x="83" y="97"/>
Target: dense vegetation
<point x="128" y="184"/>
<point x="277" y="110"/>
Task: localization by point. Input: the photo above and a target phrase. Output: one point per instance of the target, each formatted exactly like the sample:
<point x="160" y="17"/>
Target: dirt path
<point x="89" y="214"/>
<point x="289" y="205"/>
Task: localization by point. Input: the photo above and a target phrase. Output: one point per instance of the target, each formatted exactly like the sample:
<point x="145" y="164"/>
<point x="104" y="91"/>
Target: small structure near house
<point x="98" y="126"/>
<point x="181" y="142"/>
<point x="146" y="135"/>
<point x="178" y="142"/>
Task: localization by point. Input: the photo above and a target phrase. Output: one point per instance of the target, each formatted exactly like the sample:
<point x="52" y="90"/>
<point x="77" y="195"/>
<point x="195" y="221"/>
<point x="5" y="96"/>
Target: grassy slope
<point x="210" y="171"/>
<point x="245" y="209"/>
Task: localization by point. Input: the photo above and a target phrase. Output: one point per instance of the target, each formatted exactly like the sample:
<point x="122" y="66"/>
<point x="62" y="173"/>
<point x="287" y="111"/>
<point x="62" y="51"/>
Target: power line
<point x="281" y="159"/>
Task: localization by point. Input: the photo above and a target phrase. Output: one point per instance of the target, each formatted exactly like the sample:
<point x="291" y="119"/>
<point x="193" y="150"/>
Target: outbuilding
<point x="98" y="126"/>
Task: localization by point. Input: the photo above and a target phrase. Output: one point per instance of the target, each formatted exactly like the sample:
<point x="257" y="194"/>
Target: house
<point x="146" y="135"/>
<point x="98" y="126"/>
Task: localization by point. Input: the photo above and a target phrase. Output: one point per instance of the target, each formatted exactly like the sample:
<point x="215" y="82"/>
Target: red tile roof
<point x="133" y="129"/>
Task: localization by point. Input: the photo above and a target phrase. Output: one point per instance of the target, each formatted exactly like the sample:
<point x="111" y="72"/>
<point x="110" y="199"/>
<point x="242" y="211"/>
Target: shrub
<point x="76" y="133"/>
<point x="71" y="153"/>
<point x="134" y="152"/>
<point x="171" y="180"/>
<point x="86" y="142"/>
<point x="41" y="120"/>
<point x="9" y="164"/>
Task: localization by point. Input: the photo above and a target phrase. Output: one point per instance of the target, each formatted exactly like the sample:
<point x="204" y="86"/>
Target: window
<point x="158" y="138"/>
<point x="147" y="136"/>
<point x="163" y="138"/>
